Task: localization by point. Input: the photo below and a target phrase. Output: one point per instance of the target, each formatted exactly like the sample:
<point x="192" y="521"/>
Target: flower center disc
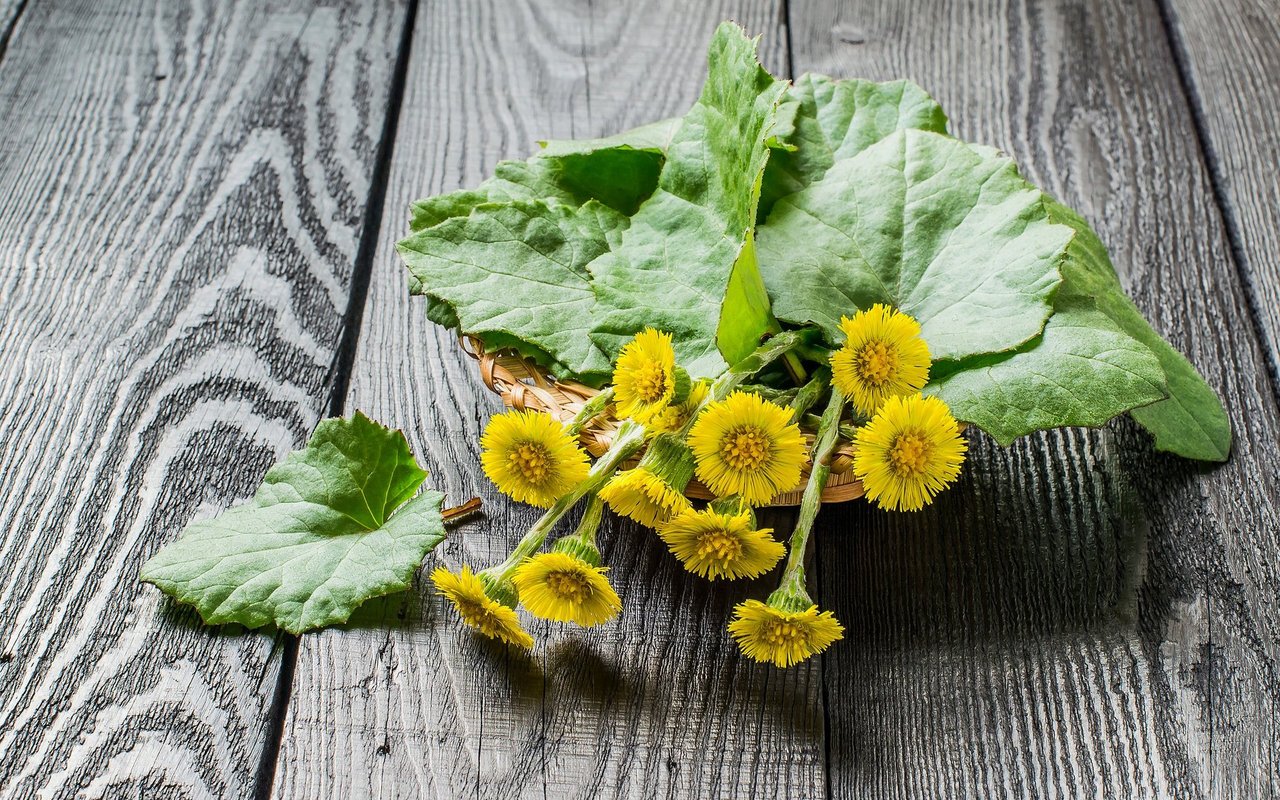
<point x="569" y="586"/>
<point x="745" y="448"/>
<point x="721" y="546"/>
<point x="478" y="617"/>
<point x="782" y="634"/>
<point x="651" y="382"/>
<point x="532" y="461"/>
<point x="876" y="363"/>
<point x="909" y="455"/>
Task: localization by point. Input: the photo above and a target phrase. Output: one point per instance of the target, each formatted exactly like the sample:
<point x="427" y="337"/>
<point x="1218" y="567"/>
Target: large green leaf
<point x="689" y="241"/>
<point x="332" y="526"/>
<point x="617" y="171"/>
<point x="1192" y="421"/>
<point x="1082" y="370"/>
<point x="835" y="120"/>
<point x="1098" y="357"/>
<point x="619" y="177"/>
<point x="515" y="275"/>
<point x="946" y="232"/>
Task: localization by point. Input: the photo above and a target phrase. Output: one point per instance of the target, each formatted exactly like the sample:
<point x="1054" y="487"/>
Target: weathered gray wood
<point x="182" y="191"/>
<point x="10" y="12"/>
<point x="1230" y="53"/>
<point x="1230" y="56"/>
<point x="1079" y="617"/>
<point x="407" y="703"/>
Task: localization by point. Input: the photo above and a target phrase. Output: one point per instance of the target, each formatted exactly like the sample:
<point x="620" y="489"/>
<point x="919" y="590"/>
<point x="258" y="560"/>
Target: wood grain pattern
<point x="1230" y="52"/>
<point x="407" y="703"/>
<point x="1079" y="617"/>
<point x="182" y="188"/>
<point x="10" y="13"/>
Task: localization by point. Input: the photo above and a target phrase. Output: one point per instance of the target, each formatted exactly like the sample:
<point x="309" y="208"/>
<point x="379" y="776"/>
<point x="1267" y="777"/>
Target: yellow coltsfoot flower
<point x="531" y="458"/>
<point x="749" y="447"/>
<point x="908" y="452"/>
<point x="883" y="356"/>
<point x="715" y="544"/>
<point x="768" y="633"/>
<point x="654" y="490"/>
<point x="643" y="496"/>
<point x="646" y="380"/>
<point x="672" y="418"/>
<point x="478" y="610"/>
<point x="564" y="588"/>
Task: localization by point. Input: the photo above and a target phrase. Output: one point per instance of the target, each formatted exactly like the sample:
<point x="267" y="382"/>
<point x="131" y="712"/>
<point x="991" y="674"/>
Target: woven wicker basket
<point x="522" y="384"/>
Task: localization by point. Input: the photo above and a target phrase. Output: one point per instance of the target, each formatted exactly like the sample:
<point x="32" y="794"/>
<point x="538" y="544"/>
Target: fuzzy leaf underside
<point x="333" y="525"/>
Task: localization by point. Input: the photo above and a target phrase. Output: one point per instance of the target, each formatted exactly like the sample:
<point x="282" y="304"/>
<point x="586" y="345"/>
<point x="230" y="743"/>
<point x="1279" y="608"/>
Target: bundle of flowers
<point x="787" y="273"/>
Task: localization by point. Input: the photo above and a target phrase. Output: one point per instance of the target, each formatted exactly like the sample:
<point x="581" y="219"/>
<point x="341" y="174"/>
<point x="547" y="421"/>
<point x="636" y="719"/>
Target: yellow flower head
<point x="643" y="496"/>
<point x="477" y="609"/>
<point x="882" y="356"/>
<point x="560" y="587"/>
<point x="747" y="446"/>
<point x="530" y="457"/>
<point x="644" y="379"/>
<point x="716" y="545"/>
<point x="672" y="418"/>
<point x="765" y="633"/>
<point x="908" y="452"/>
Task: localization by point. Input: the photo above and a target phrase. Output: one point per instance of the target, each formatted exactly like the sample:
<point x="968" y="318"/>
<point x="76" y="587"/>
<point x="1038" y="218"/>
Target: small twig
<point x="456" y="514"/>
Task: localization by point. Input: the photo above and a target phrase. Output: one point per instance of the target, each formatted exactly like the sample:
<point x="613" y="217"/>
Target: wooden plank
<point x="10" y="13"/>
<point x="182" y="192"/>
<point x="407" y="703"/>
<point x="1079" y="616"/>
<point x="1230" y="54"/>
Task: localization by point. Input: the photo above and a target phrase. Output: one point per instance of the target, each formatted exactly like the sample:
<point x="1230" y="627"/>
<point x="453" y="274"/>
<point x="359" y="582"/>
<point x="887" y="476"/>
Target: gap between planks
<point x="340" y="370"/>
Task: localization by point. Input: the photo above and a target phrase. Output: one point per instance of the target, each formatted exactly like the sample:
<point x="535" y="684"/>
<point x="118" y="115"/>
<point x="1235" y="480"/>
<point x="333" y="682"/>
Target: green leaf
<point x="515" y="275"/>
<point x="834" y="120"/>
<point x="618" y="177"/>
<point x="332" y="526"/>
<point x="618" y="172"/>
<point x="1082" y="370"/>
<point x="1191" y="422"/>
<point x="655" y="137"/>
<point x="688" y="241"/>
<point x="948" y="233"/>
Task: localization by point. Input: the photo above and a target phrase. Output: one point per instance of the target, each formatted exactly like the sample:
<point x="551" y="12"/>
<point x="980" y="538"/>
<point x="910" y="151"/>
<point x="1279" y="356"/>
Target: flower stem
<point x="793" y="577"/>
<point x="848" y="430"/>
<point x="627" y="441"/>
<point x="589" y="411"/>
<point x="591" y="517"/>
<point x="811" y="392"/>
